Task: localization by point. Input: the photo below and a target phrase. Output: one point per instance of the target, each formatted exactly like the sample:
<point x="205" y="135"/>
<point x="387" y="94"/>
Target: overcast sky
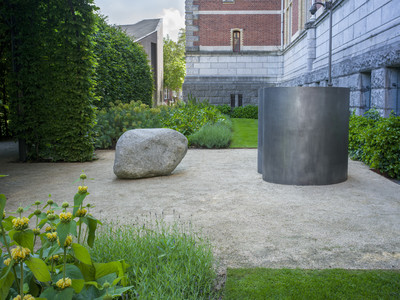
<point x="123" y="12"/>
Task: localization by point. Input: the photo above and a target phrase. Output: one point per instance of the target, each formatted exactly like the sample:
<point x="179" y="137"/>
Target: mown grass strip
<point x="245" y="133"/>
<point x="260" y="283"/>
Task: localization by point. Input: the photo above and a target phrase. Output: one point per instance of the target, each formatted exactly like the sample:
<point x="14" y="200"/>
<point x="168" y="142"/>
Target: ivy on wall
<point x="51" y="76"/>
<point x="123" y="71"/>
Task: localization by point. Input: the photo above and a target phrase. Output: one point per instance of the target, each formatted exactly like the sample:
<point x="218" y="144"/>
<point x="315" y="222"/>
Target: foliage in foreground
<point x="59" y="268"/>
<point x="245" y="133"/>
<point x="262" y="283"/>
<point x="166" y="261"/>
<point x="376" y="141"/>
<point x="216" y="135"/>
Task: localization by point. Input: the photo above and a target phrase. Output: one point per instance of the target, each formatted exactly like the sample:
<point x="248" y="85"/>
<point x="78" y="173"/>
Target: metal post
<point x="330" y="44"/>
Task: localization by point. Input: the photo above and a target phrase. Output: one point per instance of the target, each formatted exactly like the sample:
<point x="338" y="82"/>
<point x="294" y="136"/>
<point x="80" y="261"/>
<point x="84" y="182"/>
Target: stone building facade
<point x="234" y="47"/>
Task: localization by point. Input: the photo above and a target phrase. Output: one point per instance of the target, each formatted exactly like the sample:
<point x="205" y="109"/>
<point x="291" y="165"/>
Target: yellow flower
<point x="51" y="236"/>
<point x="7" y="261"/>
<point x="29" y="297"/>
<point x="68" y="241"/>
<point x="64" y="283"/>
<point x="50" y="229"/>
<point x="20" y="223"/>
<point x="82" y="189"/>
<point x="50" y="211"/>
<point x="65" y="217"/>
<point x="20" y="254"/>
<point x="81" y="212"/>
<point x="36" y="231"/>
<point x="54" y="257"/>
<point x="17" y="298"/>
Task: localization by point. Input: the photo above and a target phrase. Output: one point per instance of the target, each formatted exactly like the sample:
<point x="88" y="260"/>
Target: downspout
<point x="282" y="20"/>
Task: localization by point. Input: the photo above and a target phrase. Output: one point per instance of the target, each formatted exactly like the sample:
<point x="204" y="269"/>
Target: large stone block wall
<point x="218" y="90"/>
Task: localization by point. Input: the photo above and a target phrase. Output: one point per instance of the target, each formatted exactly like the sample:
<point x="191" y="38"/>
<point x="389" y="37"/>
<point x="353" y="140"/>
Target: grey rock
<point x="144" y="153"/>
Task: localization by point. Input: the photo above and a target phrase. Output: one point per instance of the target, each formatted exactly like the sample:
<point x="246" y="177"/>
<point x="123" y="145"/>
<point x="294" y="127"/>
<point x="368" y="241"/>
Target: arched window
<point x="236" y="40"/>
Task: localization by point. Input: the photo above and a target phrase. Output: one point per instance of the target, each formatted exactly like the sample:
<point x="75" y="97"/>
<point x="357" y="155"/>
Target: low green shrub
<point x="376" y="141"/>
<point x="187" y="118"/>
<point x="225" y="109"/>
<point x="112" y="122"/>
<point x="245" y="112"/>
<point x="166" y="261"/>
<point x="216" y="135"/>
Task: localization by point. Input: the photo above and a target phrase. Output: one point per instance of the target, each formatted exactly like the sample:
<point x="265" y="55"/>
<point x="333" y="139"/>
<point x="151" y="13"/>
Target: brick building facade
<point x="234" y="47"/>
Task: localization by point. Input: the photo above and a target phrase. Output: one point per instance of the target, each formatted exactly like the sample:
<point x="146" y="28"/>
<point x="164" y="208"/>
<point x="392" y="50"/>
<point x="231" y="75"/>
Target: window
<point x="365" y="91"/>
<point x="236" y="37"/>
<point x="288" y="20"/>
<point x="232" y="100"/>
<point x="394" y="90"/>
<point x="240" y="100"/>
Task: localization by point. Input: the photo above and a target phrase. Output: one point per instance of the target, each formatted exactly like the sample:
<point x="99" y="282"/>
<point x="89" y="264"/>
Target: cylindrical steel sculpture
<point x="304" y="135"/>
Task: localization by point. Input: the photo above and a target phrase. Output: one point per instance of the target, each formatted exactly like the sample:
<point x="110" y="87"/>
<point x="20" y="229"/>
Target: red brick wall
<point x="239" y="5"/>
<point x="258" y="30"/>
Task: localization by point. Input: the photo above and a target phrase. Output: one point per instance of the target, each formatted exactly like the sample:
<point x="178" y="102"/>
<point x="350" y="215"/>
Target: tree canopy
<point x="174" y="62"/>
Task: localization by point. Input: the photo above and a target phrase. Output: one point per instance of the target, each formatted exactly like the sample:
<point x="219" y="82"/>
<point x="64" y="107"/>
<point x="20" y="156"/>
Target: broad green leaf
<point x="92" y="225"/>
<point x="88" y="271"/>
<point x="65" y="294"/>
<point x="103" y="269"/>
<point x="77" y="285"/>
<point x="94" y="283"/>
<point x="6" y="281"/>
<point x="7" y="223"/>
<point x="78" y="199"/>
<point x="63" y="229"/>
<point x="121" y="272"/>
<point x="3" y="201"/>
<point x="82" y="254"/>
<point x="39" y="269"/>
<point x="72" y="272"/>
<point x="24" y="238"/>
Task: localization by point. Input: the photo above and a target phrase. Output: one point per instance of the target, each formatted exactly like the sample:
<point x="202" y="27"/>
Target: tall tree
<point x="174" y="62"/>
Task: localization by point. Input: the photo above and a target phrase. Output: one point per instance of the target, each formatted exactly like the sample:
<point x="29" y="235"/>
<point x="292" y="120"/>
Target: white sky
<point x="122" y="12"/>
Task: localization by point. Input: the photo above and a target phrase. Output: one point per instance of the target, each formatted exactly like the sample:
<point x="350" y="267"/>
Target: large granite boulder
<point x="149" y="152"/>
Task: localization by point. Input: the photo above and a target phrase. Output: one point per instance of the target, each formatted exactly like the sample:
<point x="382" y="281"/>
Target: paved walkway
<point x="354" y="224"/>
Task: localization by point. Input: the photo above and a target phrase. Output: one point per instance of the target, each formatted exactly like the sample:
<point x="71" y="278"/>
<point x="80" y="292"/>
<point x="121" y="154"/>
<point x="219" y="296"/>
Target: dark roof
<point x="141" y="29"/>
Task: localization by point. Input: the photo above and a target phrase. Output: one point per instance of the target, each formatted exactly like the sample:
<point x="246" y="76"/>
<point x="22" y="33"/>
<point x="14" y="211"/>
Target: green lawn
<point x="245" y="133"/>
<point x="263" y="283"/>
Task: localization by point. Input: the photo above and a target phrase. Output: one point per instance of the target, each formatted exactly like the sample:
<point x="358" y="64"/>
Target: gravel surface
<point x="250" y="222"/>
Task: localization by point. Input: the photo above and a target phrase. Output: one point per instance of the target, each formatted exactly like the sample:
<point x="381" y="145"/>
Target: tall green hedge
<point x="123" y="72"/>
<point x="51" y="76"/>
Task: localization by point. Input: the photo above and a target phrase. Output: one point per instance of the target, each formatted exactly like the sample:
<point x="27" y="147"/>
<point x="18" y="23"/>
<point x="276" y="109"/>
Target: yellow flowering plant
<point x="59" y="264"/>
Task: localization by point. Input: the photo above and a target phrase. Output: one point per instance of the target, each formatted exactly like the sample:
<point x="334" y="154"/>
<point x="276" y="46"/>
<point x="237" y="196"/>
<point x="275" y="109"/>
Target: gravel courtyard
<point x="252" y="223"/>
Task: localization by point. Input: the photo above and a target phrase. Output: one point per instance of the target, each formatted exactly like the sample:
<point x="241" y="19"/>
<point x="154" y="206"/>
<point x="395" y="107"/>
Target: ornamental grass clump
<point x="166" y="261"/>
<point x="51" y="260"/>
